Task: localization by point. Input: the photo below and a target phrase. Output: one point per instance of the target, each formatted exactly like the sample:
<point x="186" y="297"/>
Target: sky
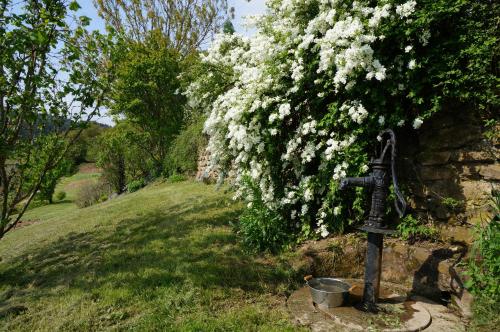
<point x="241" y="7"/>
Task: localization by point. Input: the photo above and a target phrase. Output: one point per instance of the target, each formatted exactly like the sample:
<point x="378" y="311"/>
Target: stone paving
<point x="401" y="314"/>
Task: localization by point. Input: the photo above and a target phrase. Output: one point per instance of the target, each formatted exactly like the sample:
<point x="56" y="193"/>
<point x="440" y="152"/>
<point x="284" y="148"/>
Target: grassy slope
<point x="163" y="258"/>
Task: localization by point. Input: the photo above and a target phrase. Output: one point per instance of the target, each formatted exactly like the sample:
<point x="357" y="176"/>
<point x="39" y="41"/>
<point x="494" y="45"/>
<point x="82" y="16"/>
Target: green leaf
<point x="85" y="20"/>
<point x="74" y="6"/>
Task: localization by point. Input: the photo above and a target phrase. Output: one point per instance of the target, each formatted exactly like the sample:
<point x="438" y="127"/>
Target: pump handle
<point x="399" y="202"/>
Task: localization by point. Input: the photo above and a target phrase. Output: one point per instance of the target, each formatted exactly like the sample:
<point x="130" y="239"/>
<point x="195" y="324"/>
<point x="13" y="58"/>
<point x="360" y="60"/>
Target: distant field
<point x="71" y="185"/>
<point x="161" y="259"/>
<point x="87" y="173"/>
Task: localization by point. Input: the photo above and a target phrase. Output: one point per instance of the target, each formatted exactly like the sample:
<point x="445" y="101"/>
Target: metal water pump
<point x="378" y="182"/>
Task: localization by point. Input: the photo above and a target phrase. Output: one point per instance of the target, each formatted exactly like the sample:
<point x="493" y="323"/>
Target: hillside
<point x="162" y="258"/>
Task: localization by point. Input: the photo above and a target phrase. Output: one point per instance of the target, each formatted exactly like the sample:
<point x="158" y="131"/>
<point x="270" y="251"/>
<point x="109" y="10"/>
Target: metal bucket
<point x="328" y="292"/>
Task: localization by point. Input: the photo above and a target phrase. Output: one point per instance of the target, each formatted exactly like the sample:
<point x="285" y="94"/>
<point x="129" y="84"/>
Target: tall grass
<point x="484" y="272"/>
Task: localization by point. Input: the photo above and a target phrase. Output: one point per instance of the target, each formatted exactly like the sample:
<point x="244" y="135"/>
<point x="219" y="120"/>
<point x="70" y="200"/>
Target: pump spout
<point x="365" y="182"/>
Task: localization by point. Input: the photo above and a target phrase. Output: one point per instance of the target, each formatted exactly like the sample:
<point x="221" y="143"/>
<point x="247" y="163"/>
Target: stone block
<point x="476" y="193"/>
<point x="490" y="172"/>
<point x="476" y="215"/>
<point x="450" y="138"/>
<point x="460" y="234"/>
<point x="444" y="189"/>
<point x="463" y="303"/>
<point x="433" y="173"/>
<point x="478" y="156"/>
<point x="421" y="254"/>
<point x="434" y="158"/>
<point x="441" y="212"/>
<point x="469" y="171"/>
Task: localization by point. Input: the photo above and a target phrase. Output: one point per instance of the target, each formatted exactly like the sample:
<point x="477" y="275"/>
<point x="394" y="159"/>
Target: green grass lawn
<point x="163" y="258"/>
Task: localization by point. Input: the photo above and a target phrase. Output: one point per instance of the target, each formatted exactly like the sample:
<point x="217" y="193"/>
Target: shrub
<point x="176" y="178"/>
<point x="298" y="105"/>
<point x="184" y="152"/>
<point x="411" y="229"/>
<point x="61" y="195"/>
<point x="135" y="185"/>
<point x="92" y="193"/>
<point x="261" y="228"/>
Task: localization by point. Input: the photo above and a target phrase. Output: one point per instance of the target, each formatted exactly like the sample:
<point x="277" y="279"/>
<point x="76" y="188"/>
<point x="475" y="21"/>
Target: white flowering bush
<point x="295" y="108"/>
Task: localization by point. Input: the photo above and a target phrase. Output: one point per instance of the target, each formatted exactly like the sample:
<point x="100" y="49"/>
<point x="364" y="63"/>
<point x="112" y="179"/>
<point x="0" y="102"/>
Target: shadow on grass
<point x="185" y="247"/>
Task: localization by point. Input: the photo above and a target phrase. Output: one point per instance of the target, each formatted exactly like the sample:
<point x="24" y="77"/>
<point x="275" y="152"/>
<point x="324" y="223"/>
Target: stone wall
<point x="203" y="162"/>
<point x="450" y="167"/>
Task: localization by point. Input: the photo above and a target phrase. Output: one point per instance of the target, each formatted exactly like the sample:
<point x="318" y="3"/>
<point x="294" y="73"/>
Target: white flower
<point x="408" y="48"/>
<point x="381" y="120"/>
<point x="401" y="123"/>
<point x="364" y="168"/>
<point x="417" y="123"/>
<point x="406" y="9"/>
<point x="323" y="231"/>
<point x="424" y="37"/>
<point x="304" y="209"/>
<point x="412" y="64"/>
<point x="356" y="111"/>
<point x="308" y="195"/>
<point x="284" y="110"/>
<point x="336" y="210"/>
<point x="308" y="153"/>
<point x="339" y="171"/>
<point x="273" y="131"/>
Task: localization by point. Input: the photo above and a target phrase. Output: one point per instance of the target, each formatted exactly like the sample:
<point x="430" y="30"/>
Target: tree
<point x="145" y="92"/>
<point x="82" y="150"/>
<point x="186" y="24"/>
<point x="52" y="80"/>
<point x="48" y="185"/>
<point x="121" y="156"/>
<point x="111" y="158"/>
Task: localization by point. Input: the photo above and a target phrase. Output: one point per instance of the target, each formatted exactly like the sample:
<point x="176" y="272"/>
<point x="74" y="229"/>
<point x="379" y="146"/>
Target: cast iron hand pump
<point x="378" y="183"/>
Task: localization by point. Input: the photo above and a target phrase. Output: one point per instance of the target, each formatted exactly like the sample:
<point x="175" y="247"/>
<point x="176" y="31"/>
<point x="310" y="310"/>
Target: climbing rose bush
<point x="291" y="110"/>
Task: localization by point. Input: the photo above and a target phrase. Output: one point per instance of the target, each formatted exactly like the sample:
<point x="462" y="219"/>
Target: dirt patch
<point x="24" y="223"/>
<point x="88" y="168"/>
<point x="76" y="185"/>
